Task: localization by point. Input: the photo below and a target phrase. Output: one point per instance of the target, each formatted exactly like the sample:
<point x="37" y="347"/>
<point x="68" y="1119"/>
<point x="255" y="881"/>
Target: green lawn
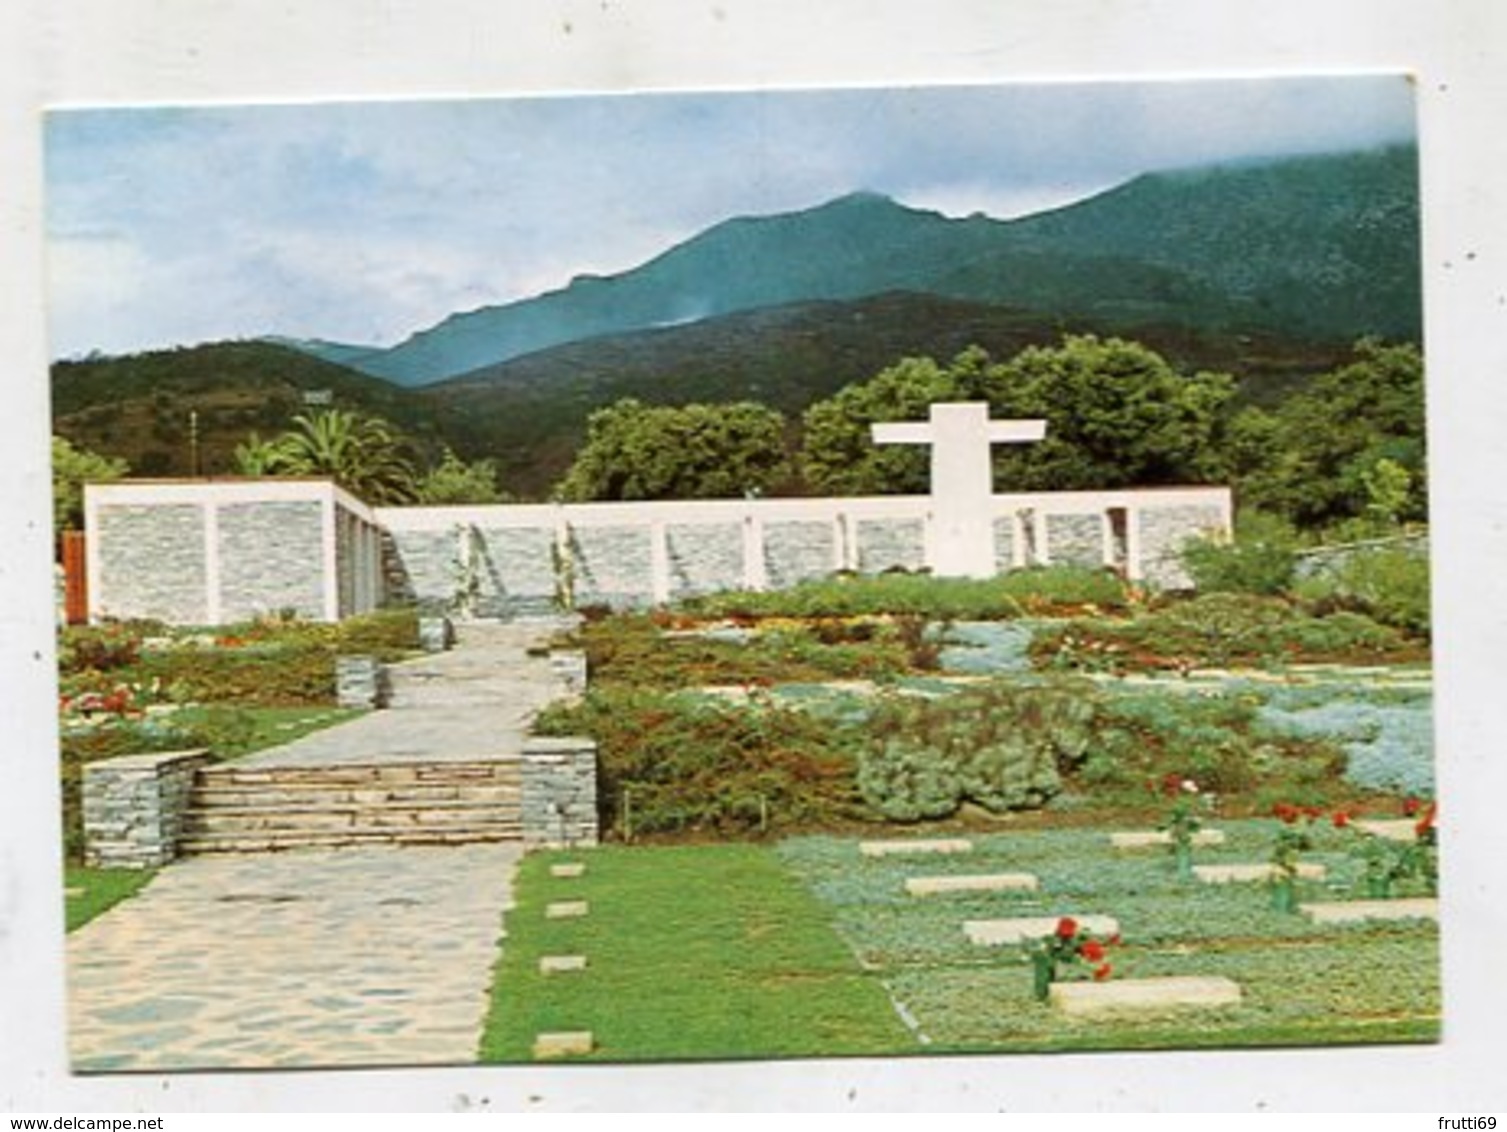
<point x="694" y="952"/>
<point x="1301" y="983"/>
<point x="92" y="892"/>
<point x="729" y="951"/>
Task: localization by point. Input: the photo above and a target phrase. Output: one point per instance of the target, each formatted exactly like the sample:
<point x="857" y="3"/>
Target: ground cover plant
<point x="137" y="687"/>
<point x="1038" y="591"/>
<point x="1220" y="630"/>
<point x="1302" y="983"/>
<point x="693" y="952"/>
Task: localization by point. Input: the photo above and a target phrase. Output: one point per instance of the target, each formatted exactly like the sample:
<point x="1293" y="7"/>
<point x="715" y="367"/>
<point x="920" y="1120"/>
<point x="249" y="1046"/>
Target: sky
<point x="365" y="222"/>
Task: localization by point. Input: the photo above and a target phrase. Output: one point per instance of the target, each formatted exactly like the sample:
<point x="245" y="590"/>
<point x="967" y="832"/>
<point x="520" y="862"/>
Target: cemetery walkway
<point x="363" y="956"/>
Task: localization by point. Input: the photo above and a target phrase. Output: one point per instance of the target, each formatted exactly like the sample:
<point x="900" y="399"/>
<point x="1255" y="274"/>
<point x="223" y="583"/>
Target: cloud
<point x="373" y="220"/>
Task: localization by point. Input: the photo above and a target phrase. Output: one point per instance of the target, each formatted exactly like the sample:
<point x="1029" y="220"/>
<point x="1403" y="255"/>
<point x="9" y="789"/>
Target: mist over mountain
<point x="1317" y="247"/>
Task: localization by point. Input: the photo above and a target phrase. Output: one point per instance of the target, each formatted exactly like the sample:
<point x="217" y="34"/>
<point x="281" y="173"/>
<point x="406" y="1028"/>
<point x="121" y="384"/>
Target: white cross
<point x="961" y="538"/>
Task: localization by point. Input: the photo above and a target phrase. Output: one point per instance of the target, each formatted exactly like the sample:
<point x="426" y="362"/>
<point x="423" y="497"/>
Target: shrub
<point x="1001" y="746"/>
<point x="103" y="648"/>
<point x="906" y="780"/>
<point x="1389" y="585"/>
<point x="1218" y="630"/>
<point x="1260" y="559"/>
<point x="1035" y="590"/>
<point x="684" y="766"/>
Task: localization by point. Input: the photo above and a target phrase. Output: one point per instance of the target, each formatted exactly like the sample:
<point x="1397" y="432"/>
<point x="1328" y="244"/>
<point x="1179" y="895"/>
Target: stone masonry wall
<point x="1075" y="540"/>
<point x="134" y="806"/>
<point x="704" y="558"/>
<point x="156" y="565"/>
<point x="271" y="558"/>
<point x="518" y="571"/>
<point x="887" y="544"/>
<point x="796" y="551"/>
<point x="559" y="792"/>
<point x="1163" y="532"/>
<point x="1004" y="543"/>
<point x="612" y="565"/>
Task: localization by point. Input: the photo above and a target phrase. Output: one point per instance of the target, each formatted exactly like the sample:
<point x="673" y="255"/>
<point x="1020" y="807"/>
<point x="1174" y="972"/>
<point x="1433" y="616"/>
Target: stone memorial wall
<point x="213" y="552"/>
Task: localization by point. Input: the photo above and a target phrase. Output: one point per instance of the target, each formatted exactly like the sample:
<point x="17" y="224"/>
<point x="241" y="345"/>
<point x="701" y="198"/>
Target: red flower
<point x="1426" y="822"/>
<point x="1288" y="813"/>
<point x="1102" y="973"/>
<point x="1341" y="819"/>
<point x="1092" y="950"/>
<point x="1411" y="805"/>
<point x="1067" y="928"/>
<point x="1313" y="812"/>
<point x="1114" y="940"/>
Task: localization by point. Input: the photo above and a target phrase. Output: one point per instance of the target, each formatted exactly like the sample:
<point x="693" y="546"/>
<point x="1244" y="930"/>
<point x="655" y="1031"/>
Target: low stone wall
<point x="559" y="792"/>
<point x="134" y="807"/>
<point x="360" y="682"/>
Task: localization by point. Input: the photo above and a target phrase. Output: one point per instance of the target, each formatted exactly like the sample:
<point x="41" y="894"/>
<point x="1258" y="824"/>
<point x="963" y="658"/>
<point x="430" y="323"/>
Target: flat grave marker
<point x="1162" y="838"/>
<point x="992" y="882"/>
<point x="573" y="869"/>
<point x="938" y="845"/>
<point x="1022" y="929"/>
<point x="1356" y="911"/>
<point x="561" y="964"/>
<point x="566" y="909"/>
<point x="1118" y="996"/>
<point x="1228" y="874"/>
<point x="1392" y="829"/>
<point x="564" y="1043"/>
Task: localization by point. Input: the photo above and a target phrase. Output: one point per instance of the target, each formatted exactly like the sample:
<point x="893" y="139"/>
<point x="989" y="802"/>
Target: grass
<point x="1302" y="983"/>
<point x="708" y="951"/>
<point x="92" y="892"/>
<point x="744" y="951"/>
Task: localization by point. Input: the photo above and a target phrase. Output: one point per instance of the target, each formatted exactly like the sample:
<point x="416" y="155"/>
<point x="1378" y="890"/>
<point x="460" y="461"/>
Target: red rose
<point x="1341" y="819"/>
<point x="1102" y="973"/>
<point x="1411" y="805"/>
<point x="1067" y="928"/>
<point x="1313" y="812"/>
<point x="1286" y="812"/>
<point x="1092" y="950"/>
<point x="1114" y="940"/>
<point x="1426" y="822"/>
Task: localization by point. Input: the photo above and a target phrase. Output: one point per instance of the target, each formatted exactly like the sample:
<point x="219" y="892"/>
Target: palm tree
<point x="363" y="454"/>
<point x="258" y="457"/>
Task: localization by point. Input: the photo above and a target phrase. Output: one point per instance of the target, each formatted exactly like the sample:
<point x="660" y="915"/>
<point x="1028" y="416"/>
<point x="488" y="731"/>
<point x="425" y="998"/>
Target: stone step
<point x="310" y="796"/>
<point x="247" y="819"/>
<point x="504" y="771"/>
<point x="338" y="839"/>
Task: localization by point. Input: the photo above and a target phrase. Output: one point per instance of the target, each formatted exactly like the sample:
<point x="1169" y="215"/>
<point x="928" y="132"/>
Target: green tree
<point x="453" y="480"/>
<point x="365" y="455"/>
<point x="1319" y="456"/>
<point x="1117" y="414"/>
<point x="72" y="468"/>
<point x="638" y="451"/>
<point x="258" y="457"/>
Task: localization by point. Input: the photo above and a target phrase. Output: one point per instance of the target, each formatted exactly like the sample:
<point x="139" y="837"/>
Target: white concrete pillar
<point x="659" y="562"/>
<point x="755" y="574"/>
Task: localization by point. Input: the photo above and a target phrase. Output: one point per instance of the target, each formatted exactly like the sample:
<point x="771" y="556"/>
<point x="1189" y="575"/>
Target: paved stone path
<point x="349" y="957"/>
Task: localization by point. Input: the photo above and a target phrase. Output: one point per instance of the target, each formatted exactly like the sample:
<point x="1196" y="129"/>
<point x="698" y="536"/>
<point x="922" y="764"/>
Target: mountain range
<point x="1312" y="247"/>
<point x="1268" y="270"/>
